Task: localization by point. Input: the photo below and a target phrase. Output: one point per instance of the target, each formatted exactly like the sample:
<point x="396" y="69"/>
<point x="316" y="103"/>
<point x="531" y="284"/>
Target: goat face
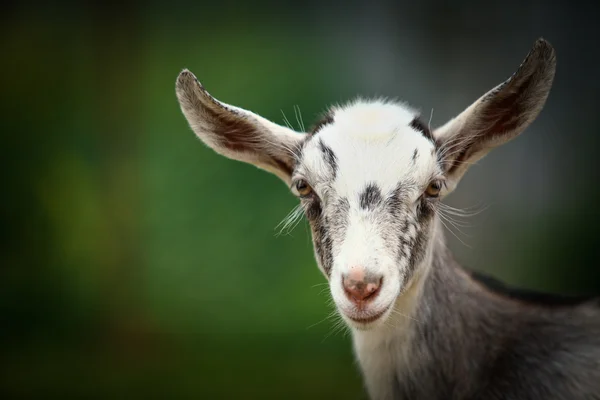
<point x="368" y="180"/>
<point x="370" y="175"/>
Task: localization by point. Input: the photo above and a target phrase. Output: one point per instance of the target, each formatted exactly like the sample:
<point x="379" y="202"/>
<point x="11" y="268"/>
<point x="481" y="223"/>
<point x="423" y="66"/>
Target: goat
<point x="369" y="177"/>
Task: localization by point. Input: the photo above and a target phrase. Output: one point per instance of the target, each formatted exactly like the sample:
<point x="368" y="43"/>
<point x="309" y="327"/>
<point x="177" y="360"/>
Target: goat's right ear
<point x="498" y="116"/>
<point x="237" y="133"/>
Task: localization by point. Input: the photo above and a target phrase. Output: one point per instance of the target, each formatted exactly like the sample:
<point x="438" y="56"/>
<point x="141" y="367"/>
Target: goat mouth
<point x="370" y="318"/>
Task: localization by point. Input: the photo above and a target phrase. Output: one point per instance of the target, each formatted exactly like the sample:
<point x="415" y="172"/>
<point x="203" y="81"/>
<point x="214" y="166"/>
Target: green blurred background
<point x="136" y="263"/>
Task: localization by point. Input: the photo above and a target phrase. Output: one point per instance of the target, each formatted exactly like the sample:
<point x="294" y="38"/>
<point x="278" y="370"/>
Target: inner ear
<point x="237" y="133"/>
<point x="498" y="116"/>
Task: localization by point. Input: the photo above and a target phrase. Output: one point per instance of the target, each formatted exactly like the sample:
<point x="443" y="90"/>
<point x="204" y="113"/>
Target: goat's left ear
<point x="237" y="133"/>
<point x="498" y="116"/>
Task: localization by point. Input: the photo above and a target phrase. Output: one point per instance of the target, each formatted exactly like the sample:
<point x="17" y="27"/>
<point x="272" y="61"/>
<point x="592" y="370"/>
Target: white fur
<point x="384" y="352"/>
<point x="373" y="142"/>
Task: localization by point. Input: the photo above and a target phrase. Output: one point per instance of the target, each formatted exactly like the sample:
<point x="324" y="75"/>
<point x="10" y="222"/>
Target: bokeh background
<point x="136" y="263"/>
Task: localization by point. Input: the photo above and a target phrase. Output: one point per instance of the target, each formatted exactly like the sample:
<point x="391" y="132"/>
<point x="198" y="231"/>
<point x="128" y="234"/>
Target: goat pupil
<point x="303" y="188"/>
<point x="434" y="189"/>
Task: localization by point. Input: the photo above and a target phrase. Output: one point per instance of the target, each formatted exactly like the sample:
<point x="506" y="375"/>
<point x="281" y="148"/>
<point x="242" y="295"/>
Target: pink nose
<point x="360" y="286"/>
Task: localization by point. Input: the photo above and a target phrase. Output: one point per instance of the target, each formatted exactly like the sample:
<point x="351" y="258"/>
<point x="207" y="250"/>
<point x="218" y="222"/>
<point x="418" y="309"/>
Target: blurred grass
<point x="228" y="368"/>
<point x="156" y="270"/>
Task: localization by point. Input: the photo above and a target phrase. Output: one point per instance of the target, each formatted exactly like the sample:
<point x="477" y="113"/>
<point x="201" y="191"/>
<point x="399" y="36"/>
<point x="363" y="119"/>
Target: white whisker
<point x="286" y="121"/>
<point x="290" y="221"/>
<point x="299" y="118"/>
<point x="430" y="118"/>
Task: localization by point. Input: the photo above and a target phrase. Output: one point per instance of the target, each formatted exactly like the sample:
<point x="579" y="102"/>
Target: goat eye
<point x="434" y="189"/>
<point x="302" y="187"/>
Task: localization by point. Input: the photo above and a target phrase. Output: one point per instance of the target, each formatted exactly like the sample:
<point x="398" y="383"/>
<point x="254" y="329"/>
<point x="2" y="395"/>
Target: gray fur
<point x="471" y="343"/>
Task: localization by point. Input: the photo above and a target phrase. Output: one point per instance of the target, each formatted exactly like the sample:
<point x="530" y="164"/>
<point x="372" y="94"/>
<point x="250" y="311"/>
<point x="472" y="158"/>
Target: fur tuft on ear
<point x="498" y="116"/>
<point x="237" y="133"/>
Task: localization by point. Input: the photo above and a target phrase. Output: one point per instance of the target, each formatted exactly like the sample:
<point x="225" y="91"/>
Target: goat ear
<point x="237" y="133"/>
<point x="498" y="116"/>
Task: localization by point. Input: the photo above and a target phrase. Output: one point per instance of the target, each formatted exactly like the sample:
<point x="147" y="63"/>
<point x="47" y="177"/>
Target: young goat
<point x="370" y="177"/>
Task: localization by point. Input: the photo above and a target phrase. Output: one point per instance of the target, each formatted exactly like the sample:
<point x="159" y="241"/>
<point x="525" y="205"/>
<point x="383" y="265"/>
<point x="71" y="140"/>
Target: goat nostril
<point x="361" y="290"/>
<point x="372" y="289"/>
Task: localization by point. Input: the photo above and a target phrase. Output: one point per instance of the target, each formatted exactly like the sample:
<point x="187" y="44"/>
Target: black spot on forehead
<point x="299" y="150"/>
<point x="370" y="197"/>
<point x="418" y="125"/>
<point x="330" y="157"/>
<point x="415" y="155"/>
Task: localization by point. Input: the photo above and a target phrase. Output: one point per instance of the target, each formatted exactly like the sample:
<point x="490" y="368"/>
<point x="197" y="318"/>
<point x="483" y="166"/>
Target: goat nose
<point x="361" y="286"/>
